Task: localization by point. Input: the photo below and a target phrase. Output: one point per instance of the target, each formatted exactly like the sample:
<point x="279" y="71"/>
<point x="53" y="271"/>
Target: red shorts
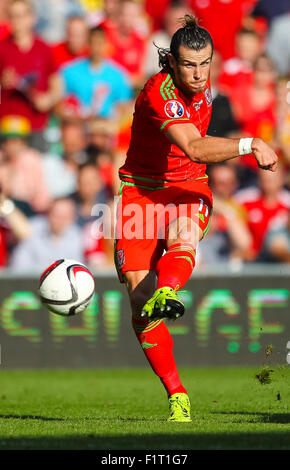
<point x="143" y="216"/>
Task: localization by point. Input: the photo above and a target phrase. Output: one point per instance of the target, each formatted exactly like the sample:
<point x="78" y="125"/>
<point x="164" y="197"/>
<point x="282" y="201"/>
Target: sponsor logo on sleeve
<point x="174" y="109"/>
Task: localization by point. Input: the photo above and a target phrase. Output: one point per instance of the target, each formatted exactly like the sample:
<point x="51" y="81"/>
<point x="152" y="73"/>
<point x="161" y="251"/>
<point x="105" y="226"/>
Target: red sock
<point x="175" y="267"/>
<point x="157" y="345"/>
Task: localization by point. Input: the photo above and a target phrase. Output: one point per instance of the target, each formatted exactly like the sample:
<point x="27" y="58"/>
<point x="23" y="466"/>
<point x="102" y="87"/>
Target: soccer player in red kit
<point x="166" y="168"/>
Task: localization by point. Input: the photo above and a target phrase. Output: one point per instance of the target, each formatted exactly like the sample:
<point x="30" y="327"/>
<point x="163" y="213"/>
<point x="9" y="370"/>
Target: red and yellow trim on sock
<point x="175" y="267"/>
<point x="189" y="252"/>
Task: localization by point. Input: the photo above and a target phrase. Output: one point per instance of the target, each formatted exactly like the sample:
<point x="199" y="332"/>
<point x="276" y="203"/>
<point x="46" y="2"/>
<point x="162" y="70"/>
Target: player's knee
<point x="184" y="230"/>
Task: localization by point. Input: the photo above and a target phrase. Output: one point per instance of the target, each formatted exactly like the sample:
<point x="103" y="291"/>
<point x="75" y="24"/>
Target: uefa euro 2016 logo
<point x="174" y="109"/>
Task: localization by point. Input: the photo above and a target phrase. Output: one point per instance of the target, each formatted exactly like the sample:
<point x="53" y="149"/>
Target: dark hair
<point x="96" y="29"/>
<point x="263" y="56"/>
<point x="75" y="17"/>
<point x="245" y="31"/>
<point x="191" y="35"/>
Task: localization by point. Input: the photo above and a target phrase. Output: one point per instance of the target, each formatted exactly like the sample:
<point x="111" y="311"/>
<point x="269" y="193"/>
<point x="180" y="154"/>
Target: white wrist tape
<point x="245" y="146"/>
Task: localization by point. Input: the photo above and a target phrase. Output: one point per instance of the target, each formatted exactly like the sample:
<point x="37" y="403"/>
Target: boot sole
<point x="175" y="311"/>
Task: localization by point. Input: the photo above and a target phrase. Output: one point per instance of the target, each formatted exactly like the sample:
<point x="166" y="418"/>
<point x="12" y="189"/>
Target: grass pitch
<point x="127" y="409"/>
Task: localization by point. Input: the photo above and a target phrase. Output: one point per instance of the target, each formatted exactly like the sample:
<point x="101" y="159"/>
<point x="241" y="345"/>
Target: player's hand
<point x="265" y="155"/>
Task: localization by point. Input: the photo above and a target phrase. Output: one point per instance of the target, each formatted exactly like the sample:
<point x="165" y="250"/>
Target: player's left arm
<point x="217" y="149"/>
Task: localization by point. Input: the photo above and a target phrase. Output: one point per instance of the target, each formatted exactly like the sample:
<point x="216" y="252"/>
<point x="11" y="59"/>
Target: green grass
<point x="127" y="409"/>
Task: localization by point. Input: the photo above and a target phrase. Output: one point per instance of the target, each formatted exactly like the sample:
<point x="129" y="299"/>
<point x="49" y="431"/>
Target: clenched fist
<point x="265" y="155"/>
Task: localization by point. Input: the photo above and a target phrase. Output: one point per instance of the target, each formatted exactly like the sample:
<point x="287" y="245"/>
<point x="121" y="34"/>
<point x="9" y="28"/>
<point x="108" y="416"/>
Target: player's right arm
<point x="217" y="149"/>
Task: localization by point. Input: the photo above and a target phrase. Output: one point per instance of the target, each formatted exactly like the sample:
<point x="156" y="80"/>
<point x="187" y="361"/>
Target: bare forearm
<point x="17" y="221"/>
<point x="213" y="149"/>
<point x="19" y="225"/>
<point x="45" y="101"/>
<point x="217" y="149"/>
<point x="239" y="235"/>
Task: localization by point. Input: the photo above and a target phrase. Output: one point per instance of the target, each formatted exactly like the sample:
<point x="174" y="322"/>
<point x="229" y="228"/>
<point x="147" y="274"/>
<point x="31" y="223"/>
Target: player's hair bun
<point x="190" y="35"/>
<point x="189" y="21"/>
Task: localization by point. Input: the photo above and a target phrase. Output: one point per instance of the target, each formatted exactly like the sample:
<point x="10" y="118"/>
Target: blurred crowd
<point x="70" y="71"/>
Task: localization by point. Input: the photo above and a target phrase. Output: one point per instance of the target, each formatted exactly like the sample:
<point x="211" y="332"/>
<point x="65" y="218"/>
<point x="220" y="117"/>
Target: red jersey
<point x="151" y="156"/>
<point x="223" y="19"/>
<point x="33" y="68"/>
<point x="3" y="245"/>
<point x="4" y="30"/>
<point x="129" y="52"/>
<point x="260" y="216"/>
<point x="62" y="54"/>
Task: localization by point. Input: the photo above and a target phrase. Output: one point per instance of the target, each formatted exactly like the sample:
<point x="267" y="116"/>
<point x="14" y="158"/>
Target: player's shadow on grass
<point x="42" y="418"/>
<point x="119" y="418"/>
<point x="92" y="418"/>
<point x="178" y="440"/>
<point x="278" y="418"/>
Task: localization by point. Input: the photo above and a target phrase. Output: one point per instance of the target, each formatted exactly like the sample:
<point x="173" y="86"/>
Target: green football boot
<point x="179" y="408"/>
<point x="164" y="303"/>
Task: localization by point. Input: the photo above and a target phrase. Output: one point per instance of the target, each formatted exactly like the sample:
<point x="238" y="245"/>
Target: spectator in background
<point x="266" y="205"/>
<point x="52" y="16"/>
<point x="282" y="131"/>
<point x="229" y="238"/>
<point x="127" y="46"/>
<point x="216" y="249"/>
<point x="270" y="9"/>
<point x="238" y="70"/>
<point x="29" y="84"/>
<point x="97" y="85"/>
<point x="276" y="247"/>
<point x="162" y="38"/>
<point x="14" y="227"/>
<point x="155" y="11"/>
<point x="254" y="106"/>
<point x="90" y="191"/>
<point x="104" y="161"/>
<point x="4" y="23"/>
<point x="61" y="173"/>
<point x="278" y="46"/>
<point x="107" y="16"/>
<point x="223" y="19"/>
<point x="53" y="237"/>
<point x="223" y="123"/>
<point x="258" y="116"/>
<point x="102" y="139"/>
<point x="75" y="44"/>
<point x="101" y="133"/>
<point x="99" y="240"/>
<point x="21" y="172"/>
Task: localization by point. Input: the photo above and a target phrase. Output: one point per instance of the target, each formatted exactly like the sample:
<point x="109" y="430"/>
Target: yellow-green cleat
<point x="179" y="408"/>
<point x="164" y="303"/>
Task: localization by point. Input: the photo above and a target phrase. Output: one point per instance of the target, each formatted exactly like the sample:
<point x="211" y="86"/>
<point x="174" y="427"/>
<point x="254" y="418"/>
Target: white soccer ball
<point x="66" y="287"/>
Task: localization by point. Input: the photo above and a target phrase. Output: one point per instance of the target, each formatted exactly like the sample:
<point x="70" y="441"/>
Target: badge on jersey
<point x="120" y="255"/>
<point x="174" y="109"/>
<point x="208" y="96"/>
